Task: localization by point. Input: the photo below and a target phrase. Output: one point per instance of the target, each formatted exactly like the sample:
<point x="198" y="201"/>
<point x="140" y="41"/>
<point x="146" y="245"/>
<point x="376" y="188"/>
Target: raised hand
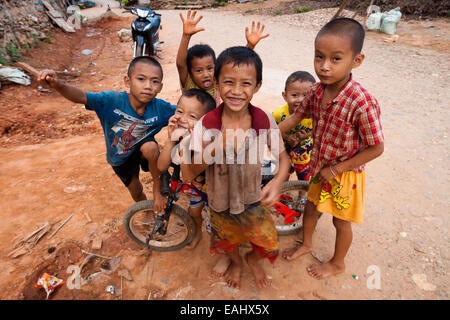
<point x="255" y="35"/>
<point x="190" y="23"/>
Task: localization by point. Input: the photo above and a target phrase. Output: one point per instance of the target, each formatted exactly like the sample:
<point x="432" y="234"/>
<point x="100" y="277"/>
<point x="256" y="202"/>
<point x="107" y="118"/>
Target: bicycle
<point x="164" y="233"/>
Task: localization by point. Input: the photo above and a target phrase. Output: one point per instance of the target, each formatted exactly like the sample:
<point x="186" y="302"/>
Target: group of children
<point x="326" y="132"/>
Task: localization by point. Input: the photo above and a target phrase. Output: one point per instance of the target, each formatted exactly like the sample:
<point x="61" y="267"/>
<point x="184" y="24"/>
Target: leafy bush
<point x="13" y="52"/>
<point x="303" y="9"/>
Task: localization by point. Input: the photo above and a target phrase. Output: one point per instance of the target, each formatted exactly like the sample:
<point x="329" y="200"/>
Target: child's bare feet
<point x="325" y="270"/>
<point x="233" y="277"/>
<point x="221" y="266"/>
<point x="296" y="251"/>
<point x="195" y="241"/>
<point x="257" y="271"/>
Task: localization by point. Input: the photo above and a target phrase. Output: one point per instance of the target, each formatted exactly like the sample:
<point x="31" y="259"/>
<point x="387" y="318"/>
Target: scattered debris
<point x="183" y="292"/>
<point x="57" y="17"/>
<point x="72" y="189"/>
<point x="14" y="75"/>
<point x="111" y="289"/>
<point x="49" y="283"/>
<point x="42" y="89"/>
<point x="392" y="38"/>
<point x="421" y="281"/>
<point x="156" y="294"/>
<point x="97" y="244"/>
<point x="88" y="217"/>
<point x="126" y="274"/>
<point x="60" y="226"/>
<point x="125" y="35"/>
<point x="27" y="244"/>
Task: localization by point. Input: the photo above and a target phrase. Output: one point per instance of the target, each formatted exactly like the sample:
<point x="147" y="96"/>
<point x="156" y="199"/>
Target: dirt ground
<point x="53" y="165"/>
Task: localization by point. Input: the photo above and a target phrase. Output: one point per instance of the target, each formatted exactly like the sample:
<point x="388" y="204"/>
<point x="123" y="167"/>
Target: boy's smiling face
<point x="145" y="83"/>
<point x="295" y="93"/>
<point x="189" y="110"/>
<point x="237" y="84"/>
<point x="334" y="59"/>
<point x="202" y="71"/>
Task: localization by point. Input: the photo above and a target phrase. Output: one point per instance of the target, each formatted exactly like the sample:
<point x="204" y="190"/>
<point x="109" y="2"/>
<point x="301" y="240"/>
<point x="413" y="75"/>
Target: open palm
<point x="190" y="23"/>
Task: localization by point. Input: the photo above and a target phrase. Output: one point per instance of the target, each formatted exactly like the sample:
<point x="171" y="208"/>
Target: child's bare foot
<point x="257" y="271"/>
<point x="296" y="251"/>
<point x="325" y="270"/>
<point x="195" y="241"/>
<point x="221" y="266"/>
<point x="233" y="277"/>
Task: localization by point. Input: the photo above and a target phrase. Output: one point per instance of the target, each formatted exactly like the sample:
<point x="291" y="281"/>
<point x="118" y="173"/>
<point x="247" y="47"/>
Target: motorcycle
<point x="145" y="31"/>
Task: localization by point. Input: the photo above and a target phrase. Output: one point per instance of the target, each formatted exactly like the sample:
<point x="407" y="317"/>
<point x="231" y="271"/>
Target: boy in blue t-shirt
<point x="129" y="120"/>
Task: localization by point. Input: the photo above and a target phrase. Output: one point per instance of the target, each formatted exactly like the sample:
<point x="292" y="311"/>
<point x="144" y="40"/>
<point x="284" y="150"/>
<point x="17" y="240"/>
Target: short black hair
<point x="301" y="76"/>
<point x="144" y="59"/>
<point x="346" y="27"/>
<point x="204" y="97"/>
<point x="239" y="55"/>
<point x="199" y="51"/>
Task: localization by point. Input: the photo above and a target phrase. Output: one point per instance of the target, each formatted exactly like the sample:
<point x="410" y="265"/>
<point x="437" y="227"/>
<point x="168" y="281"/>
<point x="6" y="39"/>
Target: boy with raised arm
<point x="129" y="120"/>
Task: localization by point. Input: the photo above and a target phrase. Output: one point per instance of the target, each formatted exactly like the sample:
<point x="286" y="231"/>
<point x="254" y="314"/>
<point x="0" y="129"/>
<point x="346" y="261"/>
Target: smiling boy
<point x="129" y="120"/>
<point x="347" y="134"/>
<point x="236" y="203"/>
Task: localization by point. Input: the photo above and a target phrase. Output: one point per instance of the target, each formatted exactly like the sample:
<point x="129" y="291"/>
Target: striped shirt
<point x="349" y="124"/>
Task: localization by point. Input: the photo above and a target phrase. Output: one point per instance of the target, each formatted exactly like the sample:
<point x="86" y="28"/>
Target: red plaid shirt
<point x="350" y="123"/>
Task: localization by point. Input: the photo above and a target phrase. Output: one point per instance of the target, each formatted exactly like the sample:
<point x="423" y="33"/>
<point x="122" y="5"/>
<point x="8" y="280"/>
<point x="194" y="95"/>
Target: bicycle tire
<point x="140" y="238"/>
<point x="293" y="228"/>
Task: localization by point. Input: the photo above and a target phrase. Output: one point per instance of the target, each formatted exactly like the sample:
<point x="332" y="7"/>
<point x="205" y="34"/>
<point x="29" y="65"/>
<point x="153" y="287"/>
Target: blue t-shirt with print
<point x="122" y="126"/>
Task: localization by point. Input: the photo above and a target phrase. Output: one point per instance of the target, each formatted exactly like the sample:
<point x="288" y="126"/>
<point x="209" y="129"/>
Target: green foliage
<point x="277" y="12"/>
<point x="3" y="59"/>
<point x="303" y="9"/>
<point x="220" y="3"/>
<point x="13" y="52"/>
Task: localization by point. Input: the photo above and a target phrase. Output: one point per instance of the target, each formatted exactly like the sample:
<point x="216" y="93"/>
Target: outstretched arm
<point x="69" y="92"/>
<point x="189" y="29"/>
<point x="255" y="35"/>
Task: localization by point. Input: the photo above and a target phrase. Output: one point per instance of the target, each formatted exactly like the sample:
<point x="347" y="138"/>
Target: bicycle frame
<point x="176" y="186"/>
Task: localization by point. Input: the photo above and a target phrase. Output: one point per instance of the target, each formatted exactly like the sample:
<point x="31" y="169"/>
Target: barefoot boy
<point x="129" y="120"/>
<point x="196" y="70"/>
<point x="192" y="105"/>
<point x="235" y="200"/>
<point x="347" y="134"/>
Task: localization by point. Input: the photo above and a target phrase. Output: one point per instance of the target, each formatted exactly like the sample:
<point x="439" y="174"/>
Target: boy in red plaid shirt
<point x="347" y="134"/>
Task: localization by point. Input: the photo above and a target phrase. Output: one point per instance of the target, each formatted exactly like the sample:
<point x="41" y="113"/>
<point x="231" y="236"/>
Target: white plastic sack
<point x="374" y="20"/>
<point x="14" y="75"/>
<point x="389" y="23"/>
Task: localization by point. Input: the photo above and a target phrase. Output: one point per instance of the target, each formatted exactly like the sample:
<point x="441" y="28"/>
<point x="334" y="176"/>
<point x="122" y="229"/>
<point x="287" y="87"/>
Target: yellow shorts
<point x="343" y="197"/>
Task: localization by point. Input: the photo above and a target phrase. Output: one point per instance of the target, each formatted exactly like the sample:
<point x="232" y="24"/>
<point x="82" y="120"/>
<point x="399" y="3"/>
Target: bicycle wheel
<point x="139" y="219"/>
<point x="293" y="195"/>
